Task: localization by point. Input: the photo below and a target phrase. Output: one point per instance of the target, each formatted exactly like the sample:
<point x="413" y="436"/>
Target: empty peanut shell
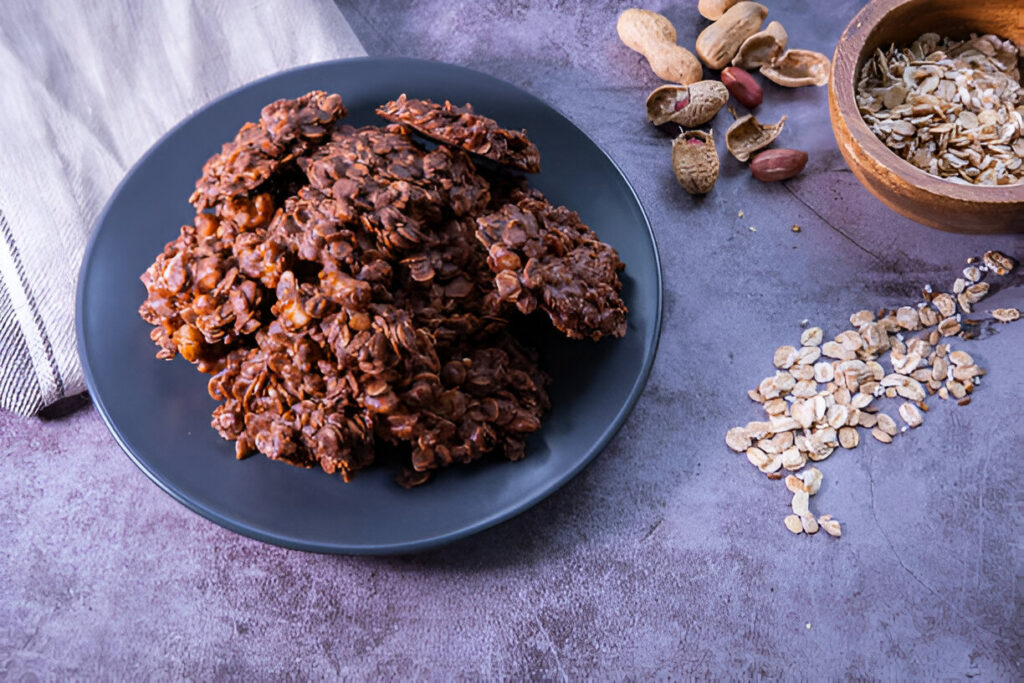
<point x="747" y="135"/>
<point x="764" y="47"/>
<point x="797" y="68"/>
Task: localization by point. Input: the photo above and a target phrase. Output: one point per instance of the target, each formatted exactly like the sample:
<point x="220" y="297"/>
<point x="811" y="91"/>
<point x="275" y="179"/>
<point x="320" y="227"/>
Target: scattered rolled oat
<point x="910" y="414"/>
<point x="1006" y="315"/>
<point x="849" y="437"/>
<point x="881" y="435"/>
<point x="785" y="356"/>
<point x="960" y="358"/>
<point x="812" y="478"/>
<point x="824" y="390"/>
<point x="738" y="439"/>
<point x="830" y="525"/>
<point x="801" y="503"/>
<point x="812" y="336"/>
<point x="949" y="327"/>
<point x="998" y="263"/>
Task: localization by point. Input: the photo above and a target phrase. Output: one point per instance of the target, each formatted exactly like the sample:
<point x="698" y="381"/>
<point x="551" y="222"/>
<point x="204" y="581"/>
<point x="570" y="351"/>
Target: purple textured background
<point x="668" y="553"/>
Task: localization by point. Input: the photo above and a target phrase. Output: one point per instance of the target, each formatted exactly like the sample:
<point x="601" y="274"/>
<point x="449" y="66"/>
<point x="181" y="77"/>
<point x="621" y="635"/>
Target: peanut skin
<point x="773" y="165"/>
<point x="653" y="36"/>
<point x="742" y="86"/>
<point x="719" y="43"/>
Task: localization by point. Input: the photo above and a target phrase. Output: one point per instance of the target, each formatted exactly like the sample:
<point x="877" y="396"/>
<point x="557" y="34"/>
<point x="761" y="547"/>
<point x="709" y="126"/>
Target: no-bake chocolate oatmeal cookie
<point x="461" y="127"/>
<point x="350" y="290"/>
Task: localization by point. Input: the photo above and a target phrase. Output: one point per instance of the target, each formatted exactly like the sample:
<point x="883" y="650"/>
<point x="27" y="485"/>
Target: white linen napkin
<point x="87" y="88"/>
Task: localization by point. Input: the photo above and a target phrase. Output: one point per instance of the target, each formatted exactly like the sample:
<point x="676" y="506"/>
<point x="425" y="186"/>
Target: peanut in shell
<point x="718" y="43"/>
<point x="695" y="161"/>
<point x="688" y="106"/>
<point x="714" y="9"/>
<point x="654" y="36"/>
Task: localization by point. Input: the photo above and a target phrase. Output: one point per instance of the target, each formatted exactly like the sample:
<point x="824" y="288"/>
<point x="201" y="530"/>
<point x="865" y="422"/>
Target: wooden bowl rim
<point x="854" y="39"/>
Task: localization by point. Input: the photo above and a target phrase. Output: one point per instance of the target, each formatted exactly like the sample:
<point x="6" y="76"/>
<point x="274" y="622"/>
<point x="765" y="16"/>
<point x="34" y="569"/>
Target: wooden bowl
<point x="900" y="185"/>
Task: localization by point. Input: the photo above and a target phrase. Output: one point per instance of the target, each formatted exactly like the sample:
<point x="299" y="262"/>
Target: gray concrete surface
<point x="667" y="555"/>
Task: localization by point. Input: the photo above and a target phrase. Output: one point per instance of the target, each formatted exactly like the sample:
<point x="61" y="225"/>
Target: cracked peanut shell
<point x="798" y="68"/>
<point x="746" y="135"/>
<point x="764" y="47"/>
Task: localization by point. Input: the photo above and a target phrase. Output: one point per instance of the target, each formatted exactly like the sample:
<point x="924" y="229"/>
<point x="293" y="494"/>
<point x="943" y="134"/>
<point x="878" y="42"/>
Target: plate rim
<point x="422" y="544"/>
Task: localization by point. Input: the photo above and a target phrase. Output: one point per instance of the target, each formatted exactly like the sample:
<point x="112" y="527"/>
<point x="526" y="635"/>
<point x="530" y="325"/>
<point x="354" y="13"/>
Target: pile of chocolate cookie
<point x="350" y="290"/>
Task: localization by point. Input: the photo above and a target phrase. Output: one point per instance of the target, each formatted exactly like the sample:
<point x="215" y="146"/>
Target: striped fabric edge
<point x="20" y="392"/>
<point x="26" y="386"/>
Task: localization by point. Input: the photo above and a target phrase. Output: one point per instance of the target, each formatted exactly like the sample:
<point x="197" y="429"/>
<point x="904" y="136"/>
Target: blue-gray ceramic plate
<point x="160" y="411"/>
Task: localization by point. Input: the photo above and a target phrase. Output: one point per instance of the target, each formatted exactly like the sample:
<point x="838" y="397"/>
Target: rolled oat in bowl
<point x="954" y="109"/>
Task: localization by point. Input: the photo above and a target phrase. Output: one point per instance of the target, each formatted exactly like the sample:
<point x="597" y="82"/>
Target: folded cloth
<point x="88" y="87"/>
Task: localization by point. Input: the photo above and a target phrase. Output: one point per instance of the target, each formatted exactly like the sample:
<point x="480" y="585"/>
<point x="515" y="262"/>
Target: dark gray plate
<point x="160" y="411"/>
